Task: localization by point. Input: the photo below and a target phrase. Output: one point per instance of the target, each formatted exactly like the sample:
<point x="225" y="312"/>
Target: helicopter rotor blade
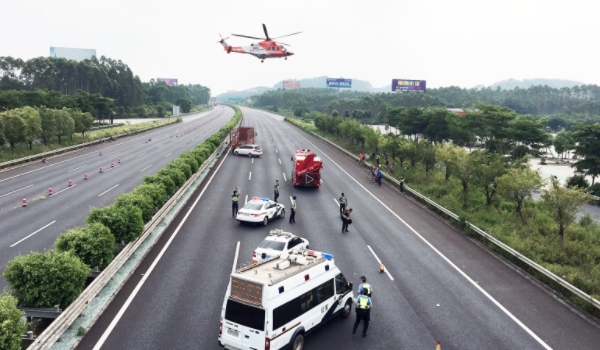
<point x="283" y="43"/>
<point x="283" y="36"/>
<point x="266" y="33"/>
<point x="247" y="37"/>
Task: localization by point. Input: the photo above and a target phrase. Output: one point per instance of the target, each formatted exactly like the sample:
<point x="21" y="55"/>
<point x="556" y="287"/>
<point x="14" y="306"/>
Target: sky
<point x="446" y="42"/>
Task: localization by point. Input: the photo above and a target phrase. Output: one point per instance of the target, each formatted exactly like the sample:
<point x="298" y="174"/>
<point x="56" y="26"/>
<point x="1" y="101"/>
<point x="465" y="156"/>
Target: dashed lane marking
<point x="168" y="155"/>
<point x="79" y="167"/>
<point x="33" y="234"/>
<point x="64" y="189"/>
<point x="108" y="190"/>
<point x="284" y="178"/>
<point x="15" y="191"/>
<point x="145" y="168"/>
<point x="250" y="176"/>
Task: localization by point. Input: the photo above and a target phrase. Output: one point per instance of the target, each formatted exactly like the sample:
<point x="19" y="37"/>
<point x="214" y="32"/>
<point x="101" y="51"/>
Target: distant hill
<point x="510" y="84"/>
<point x="224" y="97"/>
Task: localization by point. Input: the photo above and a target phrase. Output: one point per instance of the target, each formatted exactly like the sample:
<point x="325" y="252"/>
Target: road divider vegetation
<point x="490" y="190"/>
<point x="58" y="276"/>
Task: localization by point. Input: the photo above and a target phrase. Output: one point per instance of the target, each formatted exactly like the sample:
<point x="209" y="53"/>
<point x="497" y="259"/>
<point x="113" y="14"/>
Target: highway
<point x="35" y="227"/>
<point x="441" y="285"/>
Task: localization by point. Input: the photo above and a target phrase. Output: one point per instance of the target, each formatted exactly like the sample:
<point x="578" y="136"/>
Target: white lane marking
<point x="252" y="161"/>
<point x="182" y="146"/>
<point x="336" y="201"/>
<point x="293" y="144"/>
<point x="138" y="146"/>
<point x="250" y="176"/>
<point x="168" y="155"/>
<point x="284" y="178"/>
<point x="118" y="316"/>
<point x="246" y="200"/>
<point x="111" y="168"/>
<point x="139" y="155"/>
<point x="6" y="194"/>
<point x="379" y="261"/>
<point x="161" y="145"/>
<point x="146" y="168"/>
<point x="276" y="150"/>
<point x="114" y="154"/>
<point x="477" y="286"/>
<point x="108" y="190"/>
<point x="33" y="234"/>
<point x="79" y="167"/>
<point x="291" y="199"/>
<point x="64" y="189"/>
<point x="237" y="252"/>
<point x="279" y="160"/>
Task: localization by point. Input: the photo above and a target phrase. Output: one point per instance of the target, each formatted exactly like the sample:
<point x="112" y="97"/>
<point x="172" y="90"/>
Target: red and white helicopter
<point x="264" y="49"/>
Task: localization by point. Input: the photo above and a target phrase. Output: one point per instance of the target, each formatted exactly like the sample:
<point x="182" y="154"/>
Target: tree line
<point x="57" y="82"/>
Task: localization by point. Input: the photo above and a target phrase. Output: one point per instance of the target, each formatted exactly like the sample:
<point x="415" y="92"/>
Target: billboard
<point x="71" y="53"/>
<point x="408" y="85"/>
<point x="291" y="85"/>
<point x="339" y="83"/>
<point x="176" y="111"/>
<point x="168" y="81"/>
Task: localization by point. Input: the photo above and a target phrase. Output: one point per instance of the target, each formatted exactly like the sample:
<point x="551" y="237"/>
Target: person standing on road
<point x="235" y="196"/>
<point x="276" y="190"/>
<point x="379" y="176"/>
<point x="364" y="286"/>
<point x="402" y="183"/>
<point x="343" y="202"/>
<point x="294" y="208"/>
<point x="346" y="220"/>
<point x="363" y="312"/>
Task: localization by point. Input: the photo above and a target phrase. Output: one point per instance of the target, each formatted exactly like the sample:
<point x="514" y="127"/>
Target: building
<point x="71" y="53"/>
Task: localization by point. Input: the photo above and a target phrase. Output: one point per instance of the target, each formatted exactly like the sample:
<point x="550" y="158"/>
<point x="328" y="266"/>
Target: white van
<point x="274" y="304"/>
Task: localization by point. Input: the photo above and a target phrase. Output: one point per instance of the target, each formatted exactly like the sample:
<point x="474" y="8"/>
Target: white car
<point x="260" y="210"/>
<point x="249" y="150"/>
<point x="277" y="242"/>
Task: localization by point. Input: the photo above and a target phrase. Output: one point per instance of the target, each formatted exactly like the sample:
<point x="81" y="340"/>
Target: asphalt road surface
<point x="35" y="227"/>
<point x="441" y="285"/>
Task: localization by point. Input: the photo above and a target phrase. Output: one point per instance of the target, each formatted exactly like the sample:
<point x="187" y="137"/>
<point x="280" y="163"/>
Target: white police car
<point x="260" y="210"/>
<point x="276" y="243"/>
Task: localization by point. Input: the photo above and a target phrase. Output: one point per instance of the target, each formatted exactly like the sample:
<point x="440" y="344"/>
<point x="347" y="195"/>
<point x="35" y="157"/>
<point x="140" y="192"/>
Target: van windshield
<point x="245" y="315"/>
<point x="273" y="245"/>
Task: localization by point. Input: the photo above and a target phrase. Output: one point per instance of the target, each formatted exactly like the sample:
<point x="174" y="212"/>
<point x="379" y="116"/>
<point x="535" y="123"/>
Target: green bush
<point x="12" y="326"/>
<point x="166" y="181"/>
<point x="198" y="156"/>
<point x="94" y="245"/>
<point x="215" y="140"/>
<point x="205" y="150"/>
<point x="577" y="180"/>
<point x="191" y="160"/>
<point x="595" y="190"/>
<point x="137" y="200"/>
<point x="155" y="191"/>
<point x="125" y="223"/>
<point x="48" y="279"/>
<point x="176" y="175"/>
<point x="181" y="165"/>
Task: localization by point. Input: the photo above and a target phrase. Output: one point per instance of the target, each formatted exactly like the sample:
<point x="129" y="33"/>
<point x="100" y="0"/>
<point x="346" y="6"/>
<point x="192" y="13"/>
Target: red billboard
<point x="168" y="81"/>
<point x="291" y="85"/>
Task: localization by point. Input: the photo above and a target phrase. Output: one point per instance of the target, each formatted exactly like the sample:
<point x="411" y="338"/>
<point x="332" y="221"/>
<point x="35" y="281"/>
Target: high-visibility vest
<point x="367" y="287"/>
<point x="277" y="187"/>
<point x="363" y="302"/>
<point x="342" y="200"/>
<point x="234" y="197"/>
<point x="294" y="205"/>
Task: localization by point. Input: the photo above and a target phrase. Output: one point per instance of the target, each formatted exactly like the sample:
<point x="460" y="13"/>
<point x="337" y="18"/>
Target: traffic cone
<point x="100" y="169"/>
<point x="381" y="268"/>
<point x="100" y="153"/>
<point x="50" y="191"/>
<point x="438" y="346"/>
<point x="119" y="160"/>
<point x="112" y="164"/>
<point x="70" y="182"/>
<point x="85" y="176"/>
<point x="24" y="201"/>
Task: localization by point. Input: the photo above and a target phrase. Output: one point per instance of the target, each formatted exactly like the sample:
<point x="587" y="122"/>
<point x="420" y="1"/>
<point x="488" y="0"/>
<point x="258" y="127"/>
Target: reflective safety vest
<point x="294" y="205"/>
<point x="277" y="187"/>
<point x="234" y="197"/>
<point x="363" y="302"/>
<point x="367" y="287"/>
<point x="342" y="200"/>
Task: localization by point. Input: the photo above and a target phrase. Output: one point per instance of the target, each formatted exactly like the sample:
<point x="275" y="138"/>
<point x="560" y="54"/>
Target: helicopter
<point x="267" y="48"/>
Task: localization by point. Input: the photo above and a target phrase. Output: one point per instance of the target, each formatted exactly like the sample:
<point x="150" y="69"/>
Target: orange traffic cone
<point x="100" y="152"/>
<point x="24" y="201"/>
<point x="112" y="164"/>
<point x="381" y="268"/>
<point x="438" y="346"/>
<point x="50" y="191"/>
<point x="70" y="182"/>
<point x="100" y="169"/>
<point x="119" y="160"/>
<point x="85" y="176"/>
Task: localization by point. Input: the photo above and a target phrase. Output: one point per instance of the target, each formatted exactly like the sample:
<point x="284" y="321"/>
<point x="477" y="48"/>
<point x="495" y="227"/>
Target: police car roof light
<point x="265" y="199"/>
<point x="327" y="256"/>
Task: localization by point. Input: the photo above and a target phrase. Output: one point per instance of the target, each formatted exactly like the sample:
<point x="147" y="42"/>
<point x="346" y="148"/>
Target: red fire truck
<point x="307" y="169"/>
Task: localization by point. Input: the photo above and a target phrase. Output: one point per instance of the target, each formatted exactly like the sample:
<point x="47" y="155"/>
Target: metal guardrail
<point x="479" y="231"/>
<point x="56" y="329"/>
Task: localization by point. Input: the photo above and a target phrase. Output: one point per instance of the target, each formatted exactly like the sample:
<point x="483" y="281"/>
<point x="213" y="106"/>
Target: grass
<point x="578" y="263"/>
<point x="23" y="150"/>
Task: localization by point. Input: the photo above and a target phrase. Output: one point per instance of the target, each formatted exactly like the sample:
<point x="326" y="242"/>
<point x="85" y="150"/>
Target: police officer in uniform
<point x="346" y="220"/>
<point x="363" y="312"/>
<point x="343" y="201"/>
<point x="294" y="207"/>
<point x="276" y="190"/>
<point x="235" y="196"/>
<point x="364" y="286"/>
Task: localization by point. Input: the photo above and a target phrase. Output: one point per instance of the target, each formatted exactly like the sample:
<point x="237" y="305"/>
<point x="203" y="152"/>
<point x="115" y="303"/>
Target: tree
<point x="12" y="326"/>
<point x="556" y="123"/>
<point x="33" y="123"/>
<point x="160" y="111"/>
<point x="564" y="204"/>
<point x="125" y="222"/>
<point x="2" y="137"/>
<point x="14" y="129"/>
<point x="83" y="122"/>
<point x="587" y="149"/>
<point x="185" y="104"/>
<point x="448" y="156"/>
<point x="427" y="156"/>
<point x="94" y="244"/>
<point x="491" y="167"/>
<point x="48" y="123"/>
<point x="465" y="172"/>
<point x="518" y="185"/>
<point x="48" y="279"/>
<point x="65" y="125"/>
<point x="334" y="113"/>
